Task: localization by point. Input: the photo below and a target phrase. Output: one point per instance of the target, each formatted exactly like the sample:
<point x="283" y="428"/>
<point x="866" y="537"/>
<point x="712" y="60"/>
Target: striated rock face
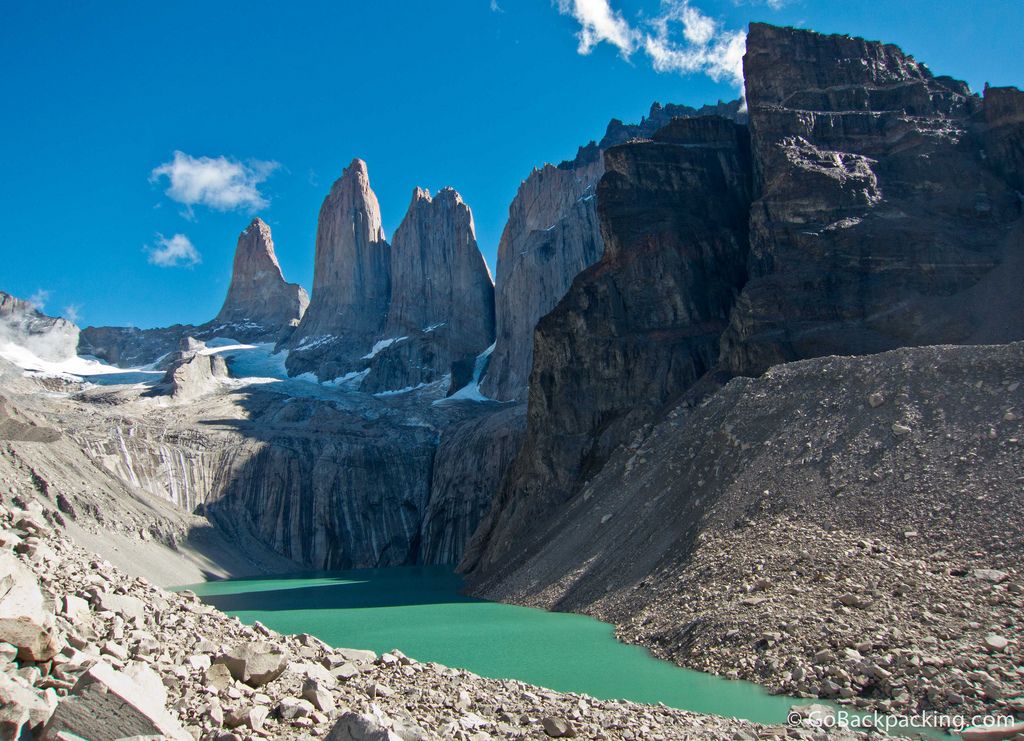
<point x="442" y="297"/>
<point x="259" y="299"/>
<point x="552" y="234"/>
<point x="48" y="338"/>
<point x="641" y="325"/>
<point x="471" y="458"/>
<point x="351" y="280"/>
<point x="881" y="219"/>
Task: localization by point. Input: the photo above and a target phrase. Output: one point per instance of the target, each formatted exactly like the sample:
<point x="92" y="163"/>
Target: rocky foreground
<point x="87" y="652"/>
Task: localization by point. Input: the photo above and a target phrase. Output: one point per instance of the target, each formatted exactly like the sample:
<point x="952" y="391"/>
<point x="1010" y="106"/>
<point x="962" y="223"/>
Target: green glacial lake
<point x="419" y="611"/>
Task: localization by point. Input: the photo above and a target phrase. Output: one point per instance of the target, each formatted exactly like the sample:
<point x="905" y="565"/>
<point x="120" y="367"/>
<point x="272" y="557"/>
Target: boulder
<point x="20" y="708"/>
<point x="107" y="705"/>
<point x="558" y="727"/>
<point x="26" y="615"/>
<point x="255" y="664"/>
<point x="355" y="727"/>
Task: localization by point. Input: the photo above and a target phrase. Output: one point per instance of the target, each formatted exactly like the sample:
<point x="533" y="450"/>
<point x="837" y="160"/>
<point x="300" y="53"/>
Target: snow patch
<point x="76" y="369"/>
<point x="381" y="344"/>
<point x="471" y="391"/>
<point x="253" y="362"/>
<point x="406" y="390"/>
<point x="350" y="380"/>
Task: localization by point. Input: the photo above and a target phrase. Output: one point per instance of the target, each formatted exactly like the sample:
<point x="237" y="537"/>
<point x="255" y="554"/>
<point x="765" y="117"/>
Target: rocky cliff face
<point x="260" y="307"/>
<point x="881" y="220"/>
<point x="877" y="209"/>
<point x="48" y="338"/>
<point x="471" y="459"/>
<point x="259" y="299"/>
<point x="641" y="325"/>
<point x="351" y="280"/>
<point x="442" y="298"/>
<point x="551" y="235"/>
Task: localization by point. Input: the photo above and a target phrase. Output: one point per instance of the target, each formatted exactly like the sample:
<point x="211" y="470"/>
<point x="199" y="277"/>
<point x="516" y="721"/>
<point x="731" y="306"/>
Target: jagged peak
<point x="255" y="241"/>
<point x="356" y="172"/>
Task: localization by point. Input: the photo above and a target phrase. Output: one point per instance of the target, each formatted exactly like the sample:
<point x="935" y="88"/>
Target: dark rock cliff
<point x="551" y="235"/>
<point x="881" y="219"/>
<point x="642" y="324"/>
<point x="879" y="208"/>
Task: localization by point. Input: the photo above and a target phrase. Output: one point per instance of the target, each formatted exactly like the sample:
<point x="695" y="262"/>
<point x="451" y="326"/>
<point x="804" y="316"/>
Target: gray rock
<point x="351" y="280"/>
<point x="996" y="643"/>
<point x="291" y="708"/>
<point x="130" y="608"/>
<point x="355" y="727"/>
<point x="252" y="717"/>
<point x="107" y="705"/>
<point x="356" y="654"/>
<point x="20" y="709"/>
<point x="551" y="235"/>
<point x="442" y="296"/>
<point x="991" y="575"/>
<point x="470" y="461"/>
<point x="319" y="695"/>
<point x="558" y="727"/>
<point x="254" y="664"/>
<point x="26" y="616"/>
<point x="258" y="294"/>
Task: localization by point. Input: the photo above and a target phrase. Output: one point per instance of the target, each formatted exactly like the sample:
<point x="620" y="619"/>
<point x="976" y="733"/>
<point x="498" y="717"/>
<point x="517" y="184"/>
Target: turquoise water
<point x="419" y="611"/>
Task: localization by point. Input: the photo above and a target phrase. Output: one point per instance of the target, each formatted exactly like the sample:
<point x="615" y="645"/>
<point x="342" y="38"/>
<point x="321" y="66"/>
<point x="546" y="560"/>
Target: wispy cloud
<point x="39" y="299"/>
<point x="71" y="313"/>
<point x="217" y="182"/>
<point x="495" y="8"/>
<point x="176" y="252"/>
<point x="680" y="39"/>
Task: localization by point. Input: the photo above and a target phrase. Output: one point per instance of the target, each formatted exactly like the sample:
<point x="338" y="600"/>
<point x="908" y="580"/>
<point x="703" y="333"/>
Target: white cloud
<point x="680" y="39"/>
<point x="219" y="183"/>
<point x="178" y="251"/>
<point x="39" y="299"/>
<point x="598" y="22"/>
<point x="495" y="8"/>
<point x="71" y="313"/>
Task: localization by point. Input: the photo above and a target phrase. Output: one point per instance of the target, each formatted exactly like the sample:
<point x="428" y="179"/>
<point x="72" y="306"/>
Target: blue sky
<point x="270" y="101"/>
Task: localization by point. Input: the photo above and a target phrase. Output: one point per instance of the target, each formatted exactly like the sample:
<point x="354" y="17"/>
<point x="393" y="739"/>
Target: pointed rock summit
<point x="442" y="295"/>
<point x="351" y="278"/>
<point x="438" y="276"/>
<point x="258" y="293"/>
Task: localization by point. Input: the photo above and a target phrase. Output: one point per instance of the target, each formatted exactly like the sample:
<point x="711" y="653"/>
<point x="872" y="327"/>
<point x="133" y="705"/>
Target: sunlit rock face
<point x="260" y="307"/>
<point x="442" y="296"/>
<point x="259" y="298"/>
<point x="351" y="280"/>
